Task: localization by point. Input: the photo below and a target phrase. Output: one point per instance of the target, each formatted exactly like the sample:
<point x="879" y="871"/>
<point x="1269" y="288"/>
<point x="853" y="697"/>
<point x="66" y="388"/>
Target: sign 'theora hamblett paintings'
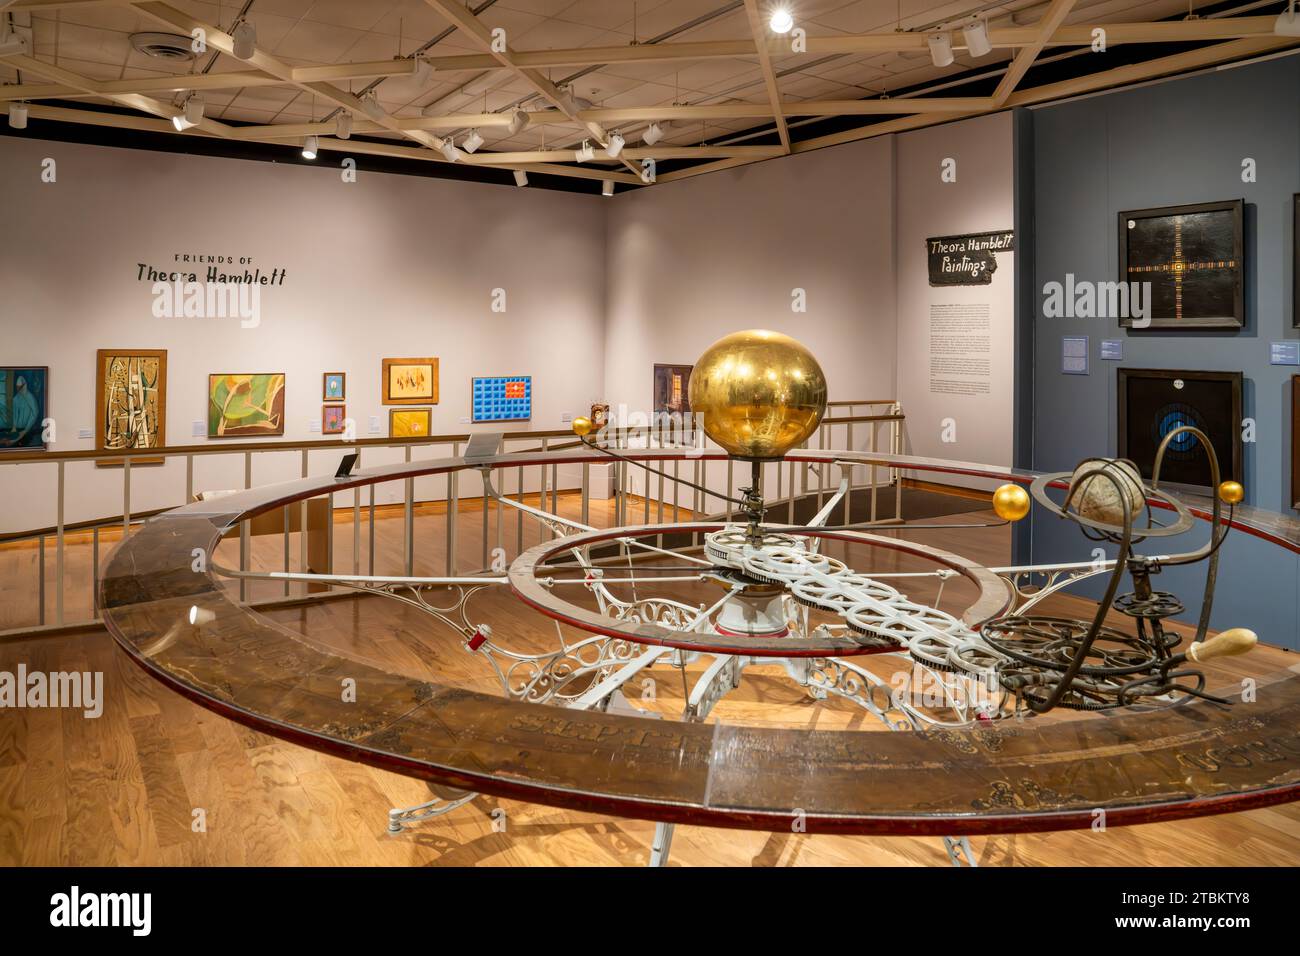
<point x="969" y="259"/>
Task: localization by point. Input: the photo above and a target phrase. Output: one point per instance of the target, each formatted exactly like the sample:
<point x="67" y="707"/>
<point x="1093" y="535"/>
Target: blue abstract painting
<point x="24" y="396"/>
<point x="503" y="398"/>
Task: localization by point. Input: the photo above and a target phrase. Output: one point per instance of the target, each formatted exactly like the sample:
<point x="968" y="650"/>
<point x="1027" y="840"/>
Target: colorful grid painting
<point x="503" y="398"/>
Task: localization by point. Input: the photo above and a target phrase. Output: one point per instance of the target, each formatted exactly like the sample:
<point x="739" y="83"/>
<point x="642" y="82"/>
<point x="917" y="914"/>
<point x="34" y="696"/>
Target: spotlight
<point x="343" y="125"/>
<point x="199" y="616"/>
<point x="615" y="145"/>
<point x="518" y="120"/>
<point x="607" y="187"/>
<point x="370" y="104"/>
<point x="190" y="115"/>
<point x="244" y="36"/>
<point x="472" y="142"/>
<point x="309" y="146"/>
<point x="11" y="43"/>
<point x="17" y="115"/>
<point x="521" y="178"/>
<point x="449" y="151"/>
<point x="941" y="49"/>
<point x="1288" y="23"/>
<point x="976" y="36"/>
<point x="421" y="71"/>
<point x="585" y="153"/>
<point x="653" y="134"/>
<point x="781" y="21"/>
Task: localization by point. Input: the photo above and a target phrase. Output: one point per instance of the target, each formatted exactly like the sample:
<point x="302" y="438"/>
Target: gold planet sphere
<point x="1010" y="502"/>
<point x="1231" y="492"/>
<point x="582" y="426"/>
<point x="758" y="393"/>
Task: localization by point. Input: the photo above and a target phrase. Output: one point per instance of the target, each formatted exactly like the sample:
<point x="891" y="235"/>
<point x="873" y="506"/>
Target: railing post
<point x="874" y="431"/>
<point x="244" y="528"/>
<point x="303" y="559"/>
<point x="453" y="510"/>
<point x="408" y="519"/>
<point x="356" y="523"/>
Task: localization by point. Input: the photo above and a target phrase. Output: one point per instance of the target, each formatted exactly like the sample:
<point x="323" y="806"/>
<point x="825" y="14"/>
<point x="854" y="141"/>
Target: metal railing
<point x="633" y="496"/>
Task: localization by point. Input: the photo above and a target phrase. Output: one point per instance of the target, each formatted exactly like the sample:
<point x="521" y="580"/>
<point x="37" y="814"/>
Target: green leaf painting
<point x="245" y="405"/>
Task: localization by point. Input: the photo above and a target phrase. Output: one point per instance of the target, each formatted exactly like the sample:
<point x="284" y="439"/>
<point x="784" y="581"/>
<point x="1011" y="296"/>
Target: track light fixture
<point x="940" y="49"/>
<point x="976" y="35"/>
<point x="309" y="147"/>
<point x="584" y="153"/>
<point x="653" y="134"/>
<point x="472" y="142"/>
<point x="518" y="120"/>
<point x="244" y="36"/>
<point x="521" y="177"/>
<point x="607" y="187"/>
<point x="17" y="115"/>
<point x="1288" y="22"/>
<point x="370" y="104"/>
<point x="449" y="151"/>
<point x="343" y="124"/>
<point x="615" y="146"/>
<point x="421" y="71"/>
<point x="191" y="113"/>
<point x="781" y="21"/>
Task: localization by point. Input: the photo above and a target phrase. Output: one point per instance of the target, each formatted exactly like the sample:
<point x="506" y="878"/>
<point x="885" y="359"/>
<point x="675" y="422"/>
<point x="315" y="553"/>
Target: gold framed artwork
<point x="245" y="406"/>
<point x="333" y="419"/>
<point x="131" y="392"/>
<point x="334" y="387"/>
<point x="410" y="422"/>
<point x="410" y="381"/>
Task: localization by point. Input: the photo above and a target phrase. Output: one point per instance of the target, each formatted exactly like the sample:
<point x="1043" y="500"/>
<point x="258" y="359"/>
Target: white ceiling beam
<point x="1025" y="57"/>
<point x="756" y="28"/>
<point x="461" y="18"/>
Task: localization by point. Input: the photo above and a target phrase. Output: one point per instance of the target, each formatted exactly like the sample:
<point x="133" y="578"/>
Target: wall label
<point x="1074" y="354"/>
<point x="968" y="259"/>
<point x="1284" y="353"/>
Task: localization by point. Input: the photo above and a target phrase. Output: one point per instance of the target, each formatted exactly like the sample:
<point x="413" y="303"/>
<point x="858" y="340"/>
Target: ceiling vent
<point x="163" y="46"/>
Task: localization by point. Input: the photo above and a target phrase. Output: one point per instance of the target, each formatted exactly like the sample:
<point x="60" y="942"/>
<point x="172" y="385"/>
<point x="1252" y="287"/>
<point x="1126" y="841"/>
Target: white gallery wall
<point x="385" y="266"/>
<point x="957" y="410"/>
<point x="596" y="290"/>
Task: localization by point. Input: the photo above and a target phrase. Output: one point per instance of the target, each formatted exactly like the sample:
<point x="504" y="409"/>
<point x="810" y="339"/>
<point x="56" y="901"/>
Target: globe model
<point x="1098" y="499"/>
<point x="758" y="393"/>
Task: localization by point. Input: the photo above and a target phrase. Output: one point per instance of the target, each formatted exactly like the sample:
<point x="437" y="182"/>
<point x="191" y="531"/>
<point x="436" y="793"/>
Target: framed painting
<point x="410" y="422"/>
<point x="131" y="394"/>
<point x="1153" y="402"/>
<point x="672" y="389"/>
<point x="1193" y="257"/>
<point x="1295" y="441"/>
<point x="24" y="406"/>
<point x="246" y="406"/>
<point x="333" y="419"/>
<point x="502" y="398"/>
<point x="334" y="388"/>
<point x="410" y="381"/>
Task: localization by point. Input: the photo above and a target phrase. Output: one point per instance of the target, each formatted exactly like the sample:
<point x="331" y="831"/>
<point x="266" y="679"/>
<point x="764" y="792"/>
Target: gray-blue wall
<point x="1163" y="145"/>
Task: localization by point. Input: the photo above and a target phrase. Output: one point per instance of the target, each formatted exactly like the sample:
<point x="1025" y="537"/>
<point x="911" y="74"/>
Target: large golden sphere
<point x="1010" y="502"/>
<point x="582" y="426"/>
<point x="758" y="393"/>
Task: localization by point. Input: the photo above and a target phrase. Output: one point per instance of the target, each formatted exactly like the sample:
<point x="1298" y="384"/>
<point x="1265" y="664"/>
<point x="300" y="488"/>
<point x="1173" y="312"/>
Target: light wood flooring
<point x="122" y="789"/>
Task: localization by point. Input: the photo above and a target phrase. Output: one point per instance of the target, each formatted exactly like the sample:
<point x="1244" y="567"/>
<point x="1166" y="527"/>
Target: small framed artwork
<point x="335" y="387"/>
<point x="1295" y="441"/>
<point x="672" y="388"/>
<point x="410" y="381"/>
<point x="599" y="415"/>
<point x="24" y="406"/>
<point x="1154" y="402"/>
<point x="1193" y="257"/>
<point x="246" y="406"/>
<point x="410" y="422"/>
<point x="131" y="392"/>
<point x="502" y="398"/>
<point x="333" y="419"/>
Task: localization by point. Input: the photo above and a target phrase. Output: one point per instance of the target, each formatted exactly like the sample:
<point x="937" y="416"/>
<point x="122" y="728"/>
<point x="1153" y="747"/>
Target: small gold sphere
<point x="758" y="393"/>
<point x="1010" y="502"/>
<point x="1231" y="492"/>
<point x="582" y="426"/>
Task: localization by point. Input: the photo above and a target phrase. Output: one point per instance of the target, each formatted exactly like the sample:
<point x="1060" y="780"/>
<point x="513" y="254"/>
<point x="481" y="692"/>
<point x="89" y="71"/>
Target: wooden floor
<point x="124" y="789"/>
